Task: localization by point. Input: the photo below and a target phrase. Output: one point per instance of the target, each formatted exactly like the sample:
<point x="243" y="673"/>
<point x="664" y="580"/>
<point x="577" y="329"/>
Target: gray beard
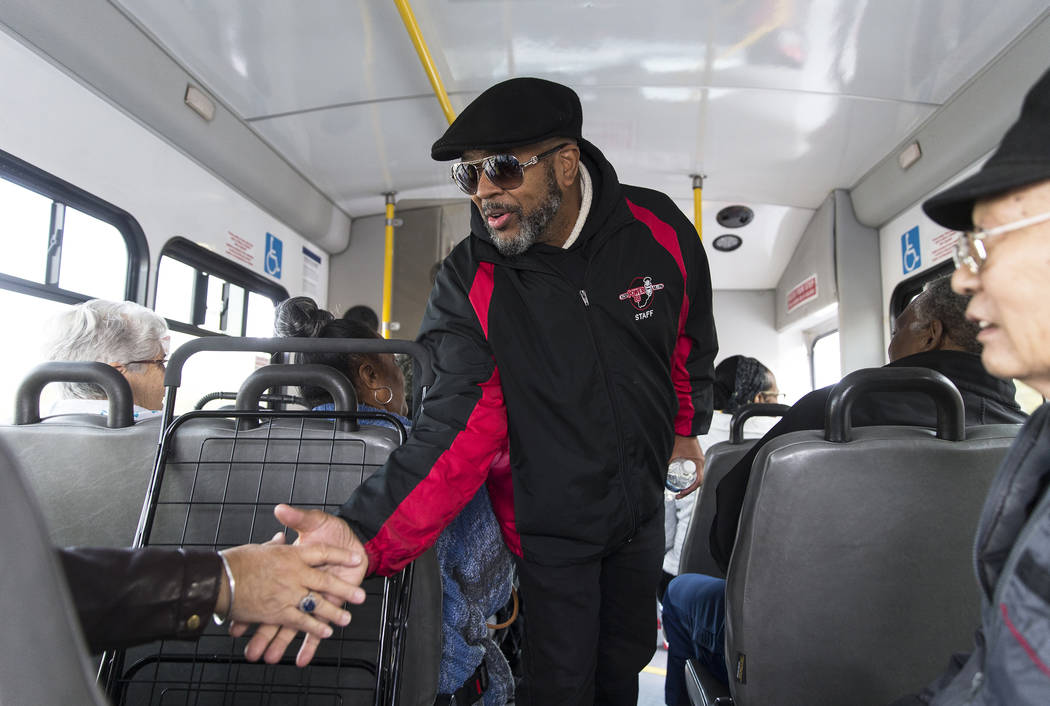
<point x="533" y="226"/>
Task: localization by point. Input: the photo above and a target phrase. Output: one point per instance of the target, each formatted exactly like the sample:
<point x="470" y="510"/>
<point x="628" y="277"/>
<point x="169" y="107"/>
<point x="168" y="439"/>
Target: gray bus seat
<point x="851" y="580"/>
<point x="219" y="476"/>
<point x="718" y="461"/>
<point x="45" y="659"/>
<point x="88" y="472"/>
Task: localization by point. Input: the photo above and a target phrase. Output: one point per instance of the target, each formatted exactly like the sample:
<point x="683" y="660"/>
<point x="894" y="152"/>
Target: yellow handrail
<point x="388" y="263"/>
<point x="409" y="18"/>
<point x="698" y="190"/>
<point x="420" y="44"/>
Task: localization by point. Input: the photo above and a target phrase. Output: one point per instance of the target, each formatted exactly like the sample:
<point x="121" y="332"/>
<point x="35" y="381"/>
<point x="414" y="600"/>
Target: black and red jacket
<point x="561" y="379"/>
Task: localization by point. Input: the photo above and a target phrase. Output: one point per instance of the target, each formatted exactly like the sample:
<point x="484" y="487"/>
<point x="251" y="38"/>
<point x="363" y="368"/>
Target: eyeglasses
<point x="503" y="170"/>
<point x="162" y="362"/>
<point x="970" y="250"/>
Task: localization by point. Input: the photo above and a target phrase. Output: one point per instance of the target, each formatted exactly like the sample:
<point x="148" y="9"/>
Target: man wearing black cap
<point x="1002" y="260"/>
<point x="573" y="342"/>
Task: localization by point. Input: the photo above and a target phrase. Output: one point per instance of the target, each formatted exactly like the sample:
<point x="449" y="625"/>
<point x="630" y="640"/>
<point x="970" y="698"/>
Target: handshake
<point x="286" y="589"/>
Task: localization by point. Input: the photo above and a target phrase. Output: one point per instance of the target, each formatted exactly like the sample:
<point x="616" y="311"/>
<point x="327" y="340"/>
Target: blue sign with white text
<point x="911" y="252"/>
<point x="272" y="263"/>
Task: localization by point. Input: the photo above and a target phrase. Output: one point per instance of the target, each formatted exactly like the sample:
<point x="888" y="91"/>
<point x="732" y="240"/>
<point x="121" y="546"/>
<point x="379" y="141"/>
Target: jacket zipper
<point x="609" y="390"/>
<point x="612" y="405"/>
<point x="604" y="371"/>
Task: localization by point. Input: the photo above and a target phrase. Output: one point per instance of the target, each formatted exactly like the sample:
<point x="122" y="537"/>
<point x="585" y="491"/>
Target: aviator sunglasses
<point x="503" y="170"/>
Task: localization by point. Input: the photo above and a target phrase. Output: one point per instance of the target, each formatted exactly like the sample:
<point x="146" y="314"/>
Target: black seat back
<point x="219" y="475"/>
<point x="851" y="579"/>
<point x="718" y="461"/>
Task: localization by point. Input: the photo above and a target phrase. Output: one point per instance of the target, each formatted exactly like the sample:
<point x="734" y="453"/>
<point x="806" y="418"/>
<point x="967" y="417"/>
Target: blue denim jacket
<point x="476" y="578"/>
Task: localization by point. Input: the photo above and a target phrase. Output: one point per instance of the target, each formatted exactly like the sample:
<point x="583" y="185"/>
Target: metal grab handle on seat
<point x="173" y="374"/>
<point x="116" y="387"/>
<point x="331" y="380"/>
<point x="951" y="416"/>
<point x="736" y="424"/>
<point x="232" y="396"/>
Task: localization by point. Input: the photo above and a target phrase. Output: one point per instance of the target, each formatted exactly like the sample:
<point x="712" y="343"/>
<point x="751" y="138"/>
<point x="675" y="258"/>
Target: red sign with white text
<point x="801" y="293"/>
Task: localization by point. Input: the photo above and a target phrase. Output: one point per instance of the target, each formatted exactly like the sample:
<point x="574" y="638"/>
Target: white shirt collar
<point x="585" y="206"/>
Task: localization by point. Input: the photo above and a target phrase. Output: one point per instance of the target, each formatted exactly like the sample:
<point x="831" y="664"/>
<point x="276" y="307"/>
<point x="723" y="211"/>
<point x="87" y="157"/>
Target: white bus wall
<point x="744" y="319"/>
<point x="57" y="124"/>
<point x="833" y="265"/>
<point x="426" y="234"/>
<point x="932" y="245"/>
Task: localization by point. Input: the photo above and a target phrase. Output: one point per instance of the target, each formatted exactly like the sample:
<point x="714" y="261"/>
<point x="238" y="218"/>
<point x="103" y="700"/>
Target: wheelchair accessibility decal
<point x="272" y="262"/>
<point x="911" y="251"/>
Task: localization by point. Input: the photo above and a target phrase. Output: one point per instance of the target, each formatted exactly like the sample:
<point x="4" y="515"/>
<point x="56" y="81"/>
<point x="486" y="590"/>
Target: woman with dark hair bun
<point x="739" y="381"/>
<point x="476" y="567"/>
<point x="377" y="378"/>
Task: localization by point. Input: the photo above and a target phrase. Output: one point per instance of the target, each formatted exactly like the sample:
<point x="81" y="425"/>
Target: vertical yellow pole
<point x="409" y="18"/>
<point x="698" y="190"/>
<point x="388" y="264"/>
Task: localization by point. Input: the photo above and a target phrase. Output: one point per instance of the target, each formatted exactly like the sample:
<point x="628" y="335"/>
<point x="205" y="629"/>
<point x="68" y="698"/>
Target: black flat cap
<point x="517" y="112"/>
<point x="1023" y="158"/>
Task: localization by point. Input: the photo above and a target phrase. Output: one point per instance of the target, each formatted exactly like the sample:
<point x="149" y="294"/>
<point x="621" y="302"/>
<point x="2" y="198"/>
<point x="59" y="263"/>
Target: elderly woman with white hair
<point x="125" y="335"/>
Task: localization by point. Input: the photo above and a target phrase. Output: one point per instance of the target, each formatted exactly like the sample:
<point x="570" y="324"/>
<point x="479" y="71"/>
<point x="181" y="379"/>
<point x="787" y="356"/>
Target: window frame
<point x="62" y="192"/>
<point x="908" y="289"/>
<point x="205" y="262"/>
<point x="812" y="356"/>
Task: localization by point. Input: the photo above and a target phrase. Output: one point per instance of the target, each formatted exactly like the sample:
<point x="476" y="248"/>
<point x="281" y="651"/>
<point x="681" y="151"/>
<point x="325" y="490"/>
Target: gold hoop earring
<point x="390" y="394"/>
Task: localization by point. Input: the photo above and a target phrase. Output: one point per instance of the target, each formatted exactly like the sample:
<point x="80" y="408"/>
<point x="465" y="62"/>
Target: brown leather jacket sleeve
<point x="130" y="596"/>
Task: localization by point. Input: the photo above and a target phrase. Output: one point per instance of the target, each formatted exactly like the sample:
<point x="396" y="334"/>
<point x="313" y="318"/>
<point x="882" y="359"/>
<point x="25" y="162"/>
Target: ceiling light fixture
<point x="727" y="242"/>
<point x="909" y="155"/>
<point x="199" y="103"/>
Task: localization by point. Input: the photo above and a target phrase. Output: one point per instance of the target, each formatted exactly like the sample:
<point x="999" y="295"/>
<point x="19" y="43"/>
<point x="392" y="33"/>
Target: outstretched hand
<point x="315" y="528"/>
<point x="272" y="578"/>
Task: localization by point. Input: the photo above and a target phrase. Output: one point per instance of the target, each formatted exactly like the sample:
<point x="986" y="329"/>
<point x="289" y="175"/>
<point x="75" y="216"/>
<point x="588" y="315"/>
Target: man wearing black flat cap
<point x="1002" y="261"/>
<point x="573" y="342"/>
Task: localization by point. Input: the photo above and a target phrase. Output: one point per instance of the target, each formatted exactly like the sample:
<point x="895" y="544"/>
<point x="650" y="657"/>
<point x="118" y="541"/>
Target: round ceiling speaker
<point x="735" y="216"/>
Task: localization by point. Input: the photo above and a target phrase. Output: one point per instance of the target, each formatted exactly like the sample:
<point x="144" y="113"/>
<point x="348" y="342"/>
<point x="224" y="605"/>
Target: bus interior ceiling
<point x="789" y="107"/>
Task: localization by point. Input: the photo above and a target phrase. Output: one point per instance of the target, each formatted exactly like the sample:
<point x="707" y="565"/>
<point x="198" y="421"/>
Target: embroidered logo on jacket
<point x="640" y="294"/>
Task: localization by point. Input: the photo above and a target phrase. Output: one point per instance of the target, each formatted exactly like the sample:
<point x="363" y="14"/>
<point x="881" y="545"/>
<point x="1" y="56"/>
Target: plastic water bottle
<point x="681" y="473"/>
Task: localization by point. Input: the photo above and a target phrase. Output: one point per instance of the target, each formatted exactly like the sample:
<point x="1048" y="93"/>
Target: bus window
<point x="62" y="246"/>
<point x="58" y="246"/>
<point x="260" y="316"/>
<point x="26" y="221"/>
<point x="94" y="258"/>
<point x="825" y="362"/>
<point x="203" y="294"/>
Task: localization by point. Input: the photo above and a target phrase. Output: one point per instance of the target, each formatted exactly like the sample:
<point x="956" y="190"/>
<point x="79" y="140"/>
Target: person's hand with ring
<point x="270" y="581"/>
<point x="315" y="528"/>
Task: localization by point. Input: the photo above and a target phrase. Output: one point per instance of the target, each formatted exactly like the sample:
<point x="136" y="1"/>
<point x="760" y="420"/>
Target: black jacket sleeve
<point x="126" y="597"/>
<point x="693" y="370"/>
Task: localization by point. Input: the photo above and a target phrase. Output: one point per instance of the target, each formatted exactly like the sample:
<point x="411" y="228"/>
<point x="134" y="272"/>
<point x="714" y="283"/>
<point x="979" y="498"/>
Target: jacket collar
<point x="966" y="371"/>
